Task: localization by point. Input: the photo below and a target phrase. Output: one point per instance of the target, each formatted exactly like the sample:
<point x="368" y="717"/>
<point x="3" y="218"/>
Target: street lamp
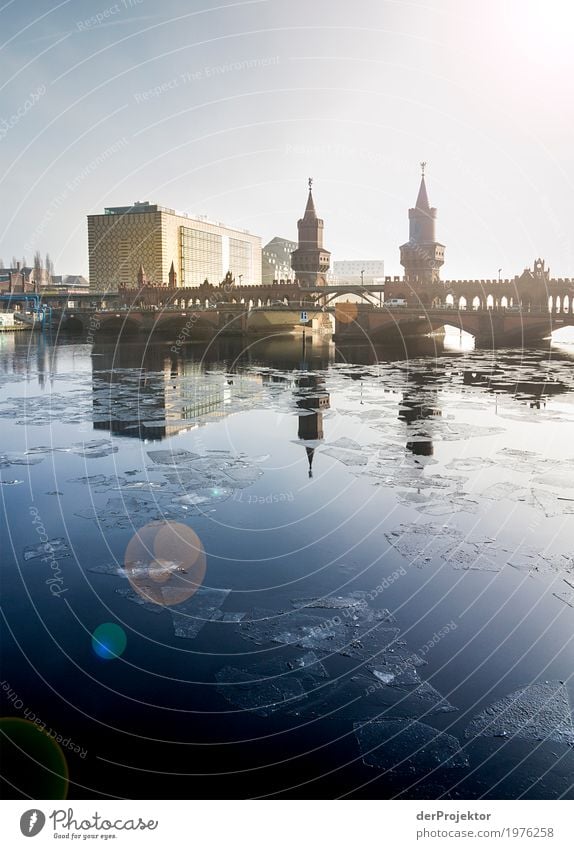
<point x="363" y="277"/>
<point x="499" y="270"/>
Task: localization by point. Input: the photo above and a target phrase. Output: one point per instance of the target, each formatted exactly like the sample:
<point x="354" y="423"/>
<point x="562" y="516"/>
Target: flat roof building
<point x="277" y="261"/>
<point x="171" y="248"/>
<point x="349" y="271"/>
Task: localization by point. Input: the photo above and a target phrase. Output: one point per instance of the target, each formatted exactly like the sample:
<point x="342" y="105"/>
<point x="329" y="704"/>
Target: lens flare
<point x="32" y="761"/>
<point x="165" y="562"/>
<point x="109" y="641"/>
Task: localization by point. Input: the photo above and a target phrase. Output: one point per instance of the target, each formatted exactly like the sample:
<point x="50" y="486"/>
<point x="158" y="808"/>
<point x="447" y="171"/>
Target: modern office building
<point x="125" y="238"/>
<point x="350" y="271"/>
<point x="277" y="261"/>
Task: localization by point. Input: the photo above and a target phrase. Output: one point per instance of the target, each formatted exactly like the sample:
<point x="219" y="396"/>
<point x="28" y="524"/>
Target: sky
<point x="225" y="109"/>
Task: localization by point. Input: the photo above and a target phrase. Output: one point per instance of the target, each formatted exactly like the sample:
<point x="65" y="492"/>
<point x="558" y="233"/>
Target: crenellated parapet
<point x="532" y="290"/>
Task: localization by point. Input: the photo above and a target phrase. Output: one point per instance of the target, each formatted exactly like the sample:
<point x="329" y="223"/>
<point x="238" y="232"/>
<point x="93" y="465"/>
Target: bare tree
<point x="49" y="266"/>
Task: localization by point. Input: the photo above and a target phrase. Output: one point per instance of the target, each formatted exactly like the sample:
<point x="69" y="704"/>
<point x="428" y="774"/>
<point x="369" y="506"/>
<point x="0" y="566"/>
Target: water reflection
<point x="412" y="547"/>
<point x="313" y="397"/>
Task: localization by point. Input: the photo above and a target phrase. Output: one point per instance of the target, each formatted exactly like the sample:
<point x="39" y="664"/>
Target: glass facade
<point x="240" y="260"/>
<point x="201" y="257"/>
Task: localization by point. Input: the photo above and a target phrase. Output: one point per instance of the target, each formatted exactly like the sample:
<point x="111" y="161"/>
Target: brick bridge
<point x="492" y="327"/>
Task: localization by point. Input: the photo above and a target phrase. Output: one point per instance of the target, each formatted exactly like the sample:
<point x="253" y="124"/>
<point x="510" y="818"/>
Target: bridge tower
<point x="310" y="261"/>
<point x="422" y="256"/>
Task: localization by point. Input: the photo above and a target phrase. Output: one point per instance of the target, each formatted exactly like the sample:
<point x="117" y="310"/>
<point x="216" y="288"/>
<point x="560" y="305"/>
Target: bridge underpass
<point x="497" y="327"/>
<point x="354" y="322"/>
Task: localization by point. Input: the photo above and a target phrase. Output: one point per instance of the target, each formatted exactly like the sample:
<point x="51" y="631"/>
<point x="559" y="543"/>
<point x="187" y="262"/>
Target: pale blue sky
<point x="226" y="109"/>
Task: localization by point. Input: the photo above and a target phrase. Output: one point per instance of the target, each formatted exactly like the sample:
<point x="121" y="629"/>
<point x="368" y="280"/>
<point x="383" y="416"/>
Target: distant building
<point x="21" y="279"/>
<point x="127" y="239"/>
<point x="276" y="261"/>
<point x="70" y="281"/>
<point x="349" y="271"/>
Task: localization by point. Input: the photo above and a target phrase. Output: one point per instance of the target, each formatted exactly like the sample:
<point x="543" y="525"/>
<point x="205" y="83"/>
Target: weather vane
<point x="310" y="183"/>
<point x="423" y="166"/>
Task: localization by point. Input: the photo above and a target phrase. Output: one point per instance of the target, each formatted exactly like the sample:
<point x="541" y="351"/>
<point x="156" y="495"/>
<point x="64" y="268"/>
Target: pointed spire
<point x="172" y="276"/>
<point x="422" y="199"/>
<point x="310" y="208"/>
<point x="142" y="279"/>
<point x="310" y="455"/>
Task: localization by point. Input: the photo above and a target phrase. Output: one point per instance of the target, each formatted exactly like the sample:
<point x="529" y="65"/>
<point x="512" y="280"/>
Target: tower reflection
<point x="314" y="399"/>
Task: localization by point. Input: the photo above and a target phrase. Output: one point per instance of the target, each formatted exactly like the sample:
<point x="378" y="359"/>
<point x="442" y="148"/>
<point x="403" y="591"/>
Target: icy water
<point x="279" y="572"/>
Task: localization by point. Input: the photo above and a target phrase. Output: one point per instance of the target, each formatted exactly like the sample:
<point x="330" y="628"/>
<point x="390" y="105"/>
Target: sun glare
<point x="546" y="26"/>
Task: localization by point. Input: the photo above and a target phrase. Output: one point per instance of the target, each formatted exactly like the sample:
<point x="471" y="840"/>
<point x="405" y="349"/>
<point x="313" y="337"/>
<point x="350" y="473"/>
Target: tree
<point x="2" y="263"/>
<point x="49" y="266"/>
<point x="37" y="269"/>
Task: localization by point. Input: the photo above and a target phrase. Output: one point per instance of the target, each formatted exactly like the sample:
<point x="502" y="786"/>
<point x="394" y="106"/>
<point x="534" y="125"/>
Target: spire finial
<point x="423" y="166"/>
<point x="310" y="183"/>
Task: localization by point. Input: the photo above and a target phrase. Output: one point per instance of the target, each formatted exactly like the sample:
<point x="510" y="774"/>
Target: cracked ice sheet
<point x="529" y="461"/>
<point x="404" y="746"/>
<point x="95" y="449"/>
<point x="469" y="464"/>
<point x="263" y="696"/>
<point x="54" y="549"/>
<point x="551" y="504"/>
<point x="355" y="601"/>
<point x="361" y="635"/>
<point x="127" y="512"/>
<point x="528" y="559"/>
<point x="190" y="616"/>
<point x="392" y="689"/>
<point x="14" y="459"/>
<point x="421" y="544"/>
<point x="537" y="712"/>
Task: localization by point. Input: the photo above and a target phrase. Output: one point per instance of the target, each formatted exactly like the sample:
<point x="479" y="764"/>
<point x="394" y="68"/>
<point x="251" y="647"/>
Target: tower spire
<point x="422" y="256"/>
<point x="310" y="208"/>
<point x="422" y="198"/>
<point x="310" y="261"/>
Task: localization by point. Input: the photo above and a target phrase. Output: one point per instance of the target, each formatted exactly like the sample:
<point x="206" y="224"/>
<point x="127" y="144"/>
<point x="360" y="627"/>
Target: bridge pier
<point x="490" y="328"/>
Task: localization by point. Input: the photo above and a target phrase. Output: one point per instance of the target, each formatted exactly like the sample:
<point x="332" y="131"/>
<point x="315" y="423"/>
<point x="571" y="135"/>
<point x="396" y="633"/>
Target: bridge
<point x="190" y="324"/>
<point x="496" y="327"/>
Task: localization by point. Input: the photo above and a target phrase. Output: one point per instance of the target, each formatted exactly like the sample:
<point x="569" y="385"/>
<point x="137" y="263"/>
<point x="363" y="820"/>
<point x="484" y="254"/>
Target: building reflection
<point x="420" y="404"/>
<point x="311" y="396"/>
<point x="148" y="392"/>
